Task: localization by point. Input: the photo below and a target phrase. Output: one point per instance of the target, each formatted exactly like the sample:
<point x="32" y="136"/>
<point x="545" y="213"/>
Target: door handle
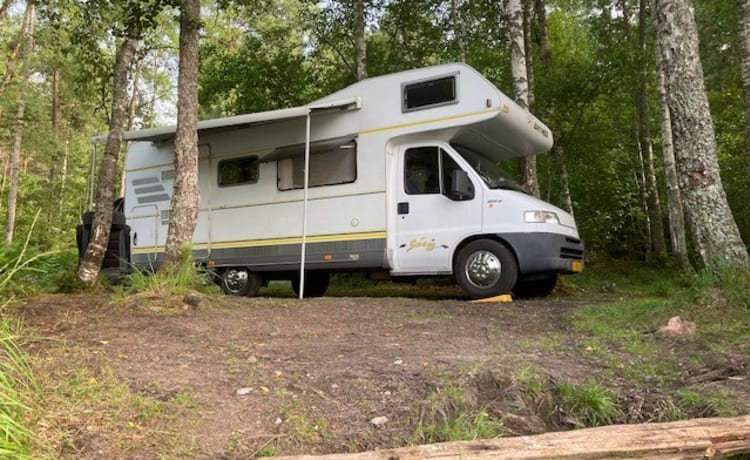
<point x="403" y="208"/>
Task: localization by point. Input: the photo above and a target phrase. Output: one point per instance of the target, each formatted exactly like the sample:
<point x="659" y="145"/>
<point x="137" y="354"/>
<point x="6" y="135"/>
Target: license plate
<point x="577" y="266"/>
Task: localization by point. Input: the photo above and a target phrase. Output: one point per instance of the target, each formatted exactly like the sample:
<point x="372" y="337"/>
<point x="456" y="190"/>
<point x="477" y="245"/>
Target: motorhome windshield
<point x="491" y="174"/>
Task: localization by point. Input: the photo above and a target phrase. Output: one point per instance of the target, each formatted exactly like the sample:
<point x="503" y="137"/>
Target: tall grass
<point x="18" y="395"/>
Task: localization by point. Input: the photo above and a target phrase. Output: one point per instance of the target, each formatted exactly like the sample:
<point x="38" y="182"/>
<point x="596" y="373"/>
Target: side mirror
<point x="461" y="186"/>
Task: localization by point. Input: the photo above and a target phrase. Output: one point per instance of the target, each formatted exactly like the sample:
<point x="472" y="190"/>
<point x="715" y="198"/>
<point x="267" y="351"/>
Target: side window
<point x="238" y="171"/>
<point x="337" y="165"/>
<point x="430" y="93"/>
<point x="422" y="171"/>
<point x="448" y="166"/>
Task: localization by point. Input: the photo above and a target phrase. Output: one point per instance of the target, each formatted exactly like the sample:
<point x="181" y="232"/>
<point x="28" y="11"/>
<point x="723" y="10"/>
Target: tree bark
<point x="15" y="154"/>
<point x="644" y="139"/>
<point x="521" y="87"/>
<point x="458" y="33"/>
<point x="714" y="230"/>
<point x="91" y="263"/>
<point x="542" y="41"/>
<point x="527" y="13"/>
<point x="186" y="196"/>
<point x="686" y="439"/>
<point x="675" y="211"/>
<point x="743" y="31"/>
<point x="558" y="150"/>
<point x="360" y="44"/>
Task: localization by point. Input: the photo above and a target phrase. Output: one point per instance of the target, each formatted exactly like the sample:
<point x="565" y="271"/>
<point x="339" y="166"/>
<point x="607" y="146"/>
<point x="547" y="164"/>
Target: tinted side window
<point x="429" y="93"/>
<point x="237" y="171"/>
<point x="331" y="167"/>
<point x="421" y="171"/>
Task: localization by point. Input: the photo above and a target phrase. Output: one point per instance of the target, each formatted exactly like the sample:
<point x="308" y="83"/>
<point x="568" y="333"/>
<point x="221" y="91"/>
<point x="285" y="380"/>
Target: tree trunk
<point x="527" y="12"/>
<point x="186" y="197"/>
<point x="558" y="150"/>
<point x="743" y="30"/>
<point x="4" y="8"/>
<point x="10" y="62"/>
<point x="715" y="233"/>
<point x="360" y="44"/>
<point x="674" y="201"/>
<point x="700" y="438"/>
<point x="521" y="87"/>
<point x="132" y="105"/>
<point x="644" y="139"/>
<point x="542" y="42"/>
<point x="15" y="154"/>
<point x="640" y="182"/>
<point x="97" y="247"/>
<point x="458" y="33"/>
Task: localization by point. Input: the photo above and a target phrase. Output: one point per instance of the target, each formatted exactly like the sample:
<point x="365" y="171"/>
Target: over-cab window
<point x="333" y="166"/>
<point x="429" y="93"/>
<point x="238" y="171"/>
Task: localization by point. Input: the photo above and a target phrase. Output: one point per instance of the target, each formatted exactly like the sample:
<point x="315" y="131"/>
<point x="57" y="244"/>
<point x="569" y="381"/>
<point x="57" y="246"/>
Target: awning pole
<point x="304" y="207"/>
<point x="92" y="180"/>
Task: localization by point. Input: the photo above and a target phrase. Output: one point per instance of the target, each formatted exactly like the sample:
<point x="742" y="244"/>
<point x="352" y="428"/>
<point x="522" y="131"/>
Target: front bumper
<point x="545" y="252"/>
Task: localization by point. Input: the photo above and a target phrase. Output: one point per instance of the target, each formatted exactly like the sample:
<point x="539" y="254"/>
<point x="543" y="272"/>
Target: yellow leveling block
<point x="497" y="298"/>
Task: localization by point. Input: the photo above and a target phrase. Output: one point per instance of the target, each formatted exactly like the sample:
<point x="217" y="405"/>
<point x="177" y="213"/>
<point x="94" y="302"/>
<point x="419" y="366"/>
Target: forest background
<point x="592" y="75"/>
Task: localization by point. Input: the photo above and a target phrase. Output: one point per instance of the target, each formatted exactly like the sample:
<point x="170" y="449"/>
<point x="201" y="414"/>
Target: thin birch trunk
<point x="527" y="13"/>
<point x="642" y="184"/>
<point x="186" y="197"/>
<point x="521" y="87"/>
<point x="542" y="41"/>
<point x="458" y="33"/>
<point x="15" y="155"/>
<point x="91" y="263"/>
<point x="715" y="234"/>
<point x="558" y="150"/>
<point x="132" y="105"/>
<point x="644" y="139"/>
<point x="360" y="44"/>
<point x="675" y="212"/>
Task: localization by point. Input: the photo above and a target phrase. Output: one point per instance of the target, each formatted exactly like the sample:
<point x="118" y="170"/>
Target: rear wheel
<point x="316" y="284"/>
<point x="540" y="287"/>
<point x="485" y="268"/>
<point x="240" y="281"/>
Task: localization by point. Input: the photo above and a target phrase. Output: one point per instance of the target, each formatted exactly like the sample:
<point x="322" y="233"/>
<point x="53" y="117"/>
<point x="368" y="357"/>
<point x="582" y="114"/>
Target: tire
<point x="316" y="284"/>
<point x="239" y="281"/>
<point x="540" y="287"/>
<point x="485" y="268"/>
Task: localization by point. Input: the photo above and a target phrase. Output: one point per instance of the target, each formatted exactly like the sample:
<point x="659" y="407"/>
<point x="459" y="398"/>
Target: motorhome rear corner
<point x="403" y="181"/>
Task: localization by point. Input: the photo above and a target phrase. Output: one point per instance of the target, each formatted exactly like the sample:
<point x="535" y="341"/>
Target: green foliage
<point x="19" y="395"/>
<point x="180" y="279"/>
<point x="449" y="417"/>
<point x="590" y="403"/>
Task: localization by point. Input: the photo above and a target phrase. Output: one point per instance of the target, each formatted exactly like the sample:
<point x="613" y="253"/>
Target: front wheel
<point x="240" y="281"/>
<point x="485" y="268"/>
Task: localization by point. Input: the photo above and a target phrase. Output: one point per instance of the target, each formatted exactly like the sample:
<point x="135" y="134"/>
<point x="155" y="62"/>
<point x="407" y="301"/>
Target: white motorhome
<point x="401" y="181"/>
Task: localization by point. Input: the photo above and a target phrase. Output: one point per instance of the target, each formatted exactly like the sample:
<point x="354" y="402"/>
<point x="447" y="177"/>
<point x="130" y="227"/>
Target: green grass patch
<point x="589" y="404"/>
<point x="448" y="416"/>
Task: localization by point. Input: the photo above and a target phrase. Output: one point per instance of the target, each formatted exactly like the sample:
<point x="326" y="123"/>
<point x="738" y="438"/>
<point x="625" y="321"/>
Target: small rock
<point x="244" y="391"/>
<point x="676" y="326"/>
<point x="194" y="300"/>
<point x="278" y="421"/>
<point x="252" y="359"/>
<point x="398" y="362"/>
<point x="334" y="386"/>
<point x="379" y="421"/>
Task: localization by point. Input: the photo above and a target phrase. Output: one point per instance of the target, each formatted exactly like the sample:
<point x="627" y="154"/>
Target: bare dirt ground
<point x="237" y="378"/>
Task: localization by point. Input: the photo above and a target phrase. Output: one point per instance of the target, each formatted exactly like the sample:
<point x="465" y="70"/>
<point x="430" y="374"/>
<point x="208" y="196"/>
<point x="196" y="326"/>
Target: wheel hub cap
<point x="483" y="269"/>
<point x="235" y="280"/>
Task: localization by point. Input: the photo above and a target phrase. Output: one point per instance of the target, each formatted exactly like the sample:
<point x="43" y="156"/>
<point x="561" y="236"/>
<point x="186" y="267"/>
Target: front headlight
<point x="540" y="217"/>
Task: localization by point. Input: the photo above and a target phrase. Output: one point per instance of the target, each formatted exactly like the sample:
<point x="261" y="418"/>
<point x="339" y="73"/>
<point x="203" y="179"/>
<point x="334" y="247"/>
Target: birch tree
<point x="360" y="44"/>
<point x="92" y="259"/>
<point x="521" y="86"/>
<point x="15" y="154"/>
<point x="714" y="230"/>
<point x="186" y="196"/>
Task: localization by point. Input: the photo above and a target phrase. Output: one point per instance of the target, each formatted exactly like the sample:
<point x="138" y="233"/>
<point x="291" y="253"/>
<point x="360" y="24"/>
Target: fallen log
<point x="712" y="438"/>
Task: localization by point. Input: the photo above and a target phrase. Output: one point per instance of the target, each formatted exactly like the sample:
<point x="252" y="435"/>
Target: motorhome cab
<point x="395" y="175"/>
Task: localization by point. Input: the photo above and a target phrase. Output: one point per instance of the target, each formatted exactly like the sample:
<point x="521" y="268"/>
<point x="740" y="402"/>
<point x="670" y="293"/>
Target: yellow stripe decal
<point x="273" y="242"/>
<point x="427" y="122"/>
